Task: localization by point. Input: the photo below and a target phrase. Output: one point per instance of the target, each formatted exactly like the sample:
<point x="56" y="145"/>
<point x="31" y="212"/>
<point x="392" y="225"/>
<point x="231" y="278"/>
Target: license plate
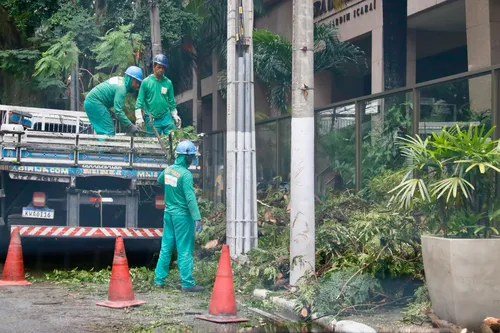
<point x="38" y="213"/>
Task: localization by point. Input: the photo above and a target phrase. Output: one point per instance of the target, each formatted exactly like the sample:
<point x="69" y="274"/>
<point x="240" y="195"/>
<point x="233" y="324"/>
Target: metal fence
<point x="355" y="139"/>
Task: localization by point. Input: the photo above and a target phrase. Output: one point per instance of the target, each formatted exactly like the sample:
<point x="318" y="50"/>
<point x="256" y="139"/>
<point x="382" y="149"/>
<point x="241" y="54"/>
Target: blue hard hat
<point x="160" y="59"/>
<point x="134" y="72"/>
<point x="186" y="147"/>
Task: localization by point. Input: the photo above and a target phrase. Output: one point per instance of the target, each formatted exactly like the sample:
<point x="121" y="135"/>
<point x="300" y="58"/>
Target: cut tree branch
<point x="264" y="204"/>
<point x="440" y="323"/>
<point x="342" y="290"/>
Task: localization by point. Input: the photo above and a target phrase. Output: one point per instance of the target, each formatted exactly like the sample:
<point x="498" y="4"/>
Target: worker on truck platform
<point x="156" y="98"/>
<point x="181" y="218"/>
<point x="111" y="93"/>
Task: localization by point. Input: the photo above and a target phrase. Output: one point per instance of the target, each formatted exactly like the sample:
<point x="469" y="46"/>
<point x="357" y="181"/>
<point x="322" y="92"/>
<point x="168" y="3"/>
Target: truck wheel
<point x="4" y="242"/>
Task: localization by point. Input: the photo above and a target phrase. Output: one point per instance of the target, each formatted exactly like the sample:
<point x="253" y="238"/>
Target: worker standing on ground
<point x="181" y="218"/>
<point x="111" y="93"/>
<point x="157" y="98"/>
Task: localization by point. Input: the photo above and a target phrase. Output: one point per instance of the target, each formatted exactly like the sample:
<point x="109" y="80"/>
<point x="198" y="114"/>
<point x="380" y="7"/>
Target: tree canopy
<point x="106" y="37"/>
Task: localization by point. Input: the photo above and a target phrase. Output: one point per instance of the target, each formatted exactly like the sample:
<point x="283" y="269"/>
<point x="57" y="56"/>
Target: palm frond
<point x="450" y="186"/>
<point x="333" y="54"/>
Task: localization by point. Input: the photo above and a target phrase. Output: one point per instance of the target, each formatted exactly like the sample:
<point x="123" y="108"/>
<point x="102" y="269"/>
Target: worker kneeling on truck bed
<point x="181" y="218"/>
<point x="156" y="97"/>
<point x="111" y="93"/>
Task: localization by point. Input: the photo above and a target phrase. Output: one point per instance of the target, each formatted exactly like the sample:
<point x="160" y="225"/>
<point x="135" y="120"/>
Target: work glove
<point x="199" y="226"/>
<point x="133" y="129"/>
<point x="139" y="120"/>
<point x="177" y="119"/>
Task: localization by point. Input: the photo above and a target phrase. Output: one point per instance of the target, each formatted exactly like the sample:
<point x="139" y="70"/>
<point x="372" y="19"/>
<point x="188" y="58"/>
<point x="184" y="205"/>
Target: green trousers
<point x="163" y="125"/>
<point x="178" y="231"/>
<point x="100" y="118"/>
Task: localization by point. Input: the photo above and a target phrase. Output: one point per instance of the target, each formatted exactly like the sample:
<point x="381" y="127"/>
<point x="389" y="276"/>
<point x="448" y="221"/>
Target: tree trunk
<point x="154" y="15"/>
<point x="302" y="219"/>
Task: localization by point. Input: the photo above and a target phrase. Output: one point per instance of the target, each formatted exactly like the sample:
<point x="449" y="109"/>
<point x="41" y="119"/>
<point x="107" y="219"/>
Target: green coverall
<point x="181" y="212"/>
<point x="110" y="93"/>
<point x="157" y="98"/>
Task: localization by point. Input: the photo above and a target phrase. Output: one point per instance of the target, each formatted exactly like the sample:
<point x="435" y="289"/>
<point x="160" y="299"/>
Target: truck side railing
<point x="65" y="138"/>
<point x="48" y="120"/>
<point x="61" y="137"/>
<point x="81" y="149"/>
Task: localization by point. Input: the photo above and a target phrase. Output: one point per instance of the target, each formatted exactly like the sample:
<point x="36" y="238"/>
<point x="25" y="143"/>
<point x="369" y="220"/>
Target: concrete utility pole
<point x="154" y="16"/>
<point x="302" y="218"/>
<point x="241" y="184"/>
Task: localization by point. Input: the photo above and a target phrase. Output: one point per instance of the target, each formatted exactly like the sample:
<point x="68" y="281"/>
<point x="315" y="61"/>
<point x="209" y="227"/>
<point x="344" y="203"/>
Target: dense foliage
<point x="364" y="252"/>
<point x="456" y="185"/>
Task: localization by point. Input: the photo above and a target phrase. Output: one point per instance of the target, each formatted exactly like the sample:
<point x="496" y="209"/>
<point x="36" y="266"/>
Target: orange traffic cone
<point x="222" y="308"/>
<point x="120" y="293"/>
<point x="13" y="270"/>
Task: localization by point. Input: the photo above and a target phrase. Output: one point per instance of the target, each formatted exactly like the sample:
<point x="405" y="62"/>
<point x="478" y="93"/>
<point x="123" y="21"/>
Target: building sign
<point x="322" y="7"/>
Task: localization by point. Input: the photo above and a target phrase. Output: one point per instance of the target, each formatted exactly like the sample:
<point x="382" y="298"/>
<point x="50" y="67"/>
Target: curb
<point x="326" y="322"/>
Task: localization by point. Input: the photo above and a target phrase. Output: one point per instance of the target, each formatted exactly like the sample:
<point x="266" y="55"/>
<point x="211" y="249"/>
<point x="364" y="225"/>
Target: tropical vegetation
<point x="456" y="187"/>
<point x="104" y="38"/>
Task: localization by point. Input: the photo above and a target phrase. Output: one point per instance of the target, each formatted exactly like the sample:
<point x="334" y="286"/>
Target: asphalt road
<point x="47" y="307"/>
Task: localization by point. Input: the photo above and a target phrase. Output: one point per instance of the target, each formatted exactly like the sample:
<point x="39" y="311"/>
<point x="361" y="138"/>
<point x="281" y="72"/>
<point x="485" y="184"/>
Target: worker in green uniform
<point x="156" y="98"/>
<point x="111" y="93"/>
<point x="181" y="218"/>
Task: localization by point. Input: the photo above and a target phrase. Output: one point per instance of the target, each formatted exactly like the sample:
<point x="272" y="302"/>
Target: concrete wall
<point x="322" y="89"/>
<point x="415" y="6"/>
<point x="278" y="20"/>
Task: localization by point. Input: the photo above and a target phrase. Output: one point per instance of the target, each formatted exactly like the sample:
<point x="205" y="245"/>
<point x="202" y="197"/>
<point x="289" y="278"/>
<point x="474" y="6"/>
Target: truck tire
<point x="4" y="242"/>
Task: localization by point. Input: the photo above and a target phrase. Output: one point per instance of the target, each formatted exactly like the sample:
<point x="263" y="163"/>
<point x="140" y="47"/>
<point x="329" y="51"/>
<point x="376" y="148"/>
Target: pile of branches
<point x="352" y="235"/>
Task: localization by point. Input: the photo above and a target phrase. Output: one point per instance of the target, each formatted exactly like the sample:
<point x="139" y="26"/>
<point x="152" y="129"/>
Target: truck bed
<point x="66" y="155"/>
<point x="91" y="185"/>
<point x="59" y="144"/>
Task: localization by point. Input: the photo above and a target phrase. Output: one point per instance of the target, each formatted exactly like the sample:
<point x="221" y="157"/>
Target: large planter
<point x="463" y="278"/>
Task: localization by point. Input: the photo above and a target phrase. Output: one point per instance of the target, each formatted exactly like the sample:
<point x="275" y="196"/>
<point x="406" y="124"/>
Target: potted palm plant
<point x="451" y="181"/>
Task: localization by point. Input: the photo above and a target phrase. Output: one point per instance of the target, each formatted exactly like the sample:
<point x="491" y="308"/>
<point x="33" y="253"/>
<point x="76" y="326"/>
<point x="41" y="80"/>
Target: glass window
<point x="335" y="153"/>
<point x="383" y="121"/>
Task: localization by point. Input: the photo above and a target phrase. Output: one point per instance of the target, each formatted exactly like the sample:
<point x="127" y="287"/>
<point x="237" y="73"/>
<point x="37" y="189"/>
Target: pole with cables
<point x="241" y="196"/>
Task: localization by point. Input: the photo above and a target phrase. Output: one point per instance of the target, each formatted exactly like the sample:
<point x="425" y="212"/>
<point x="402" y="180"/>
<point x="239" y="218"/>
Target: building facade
<point x="440" y="38"/>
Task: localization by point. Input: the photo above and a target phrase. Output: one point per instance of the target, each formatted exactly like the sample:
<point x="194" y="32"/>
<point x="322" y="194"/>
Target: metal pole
<point x="240" y="181"/>
<point x="241" y="209"/>
<point x="495" y="103"/>
<point x="230" y="123"/>
<point x="302" y="218"/>
<point x="358" y="121"/>
<point x="253" y="154"/>
<point x="248" y="183"/>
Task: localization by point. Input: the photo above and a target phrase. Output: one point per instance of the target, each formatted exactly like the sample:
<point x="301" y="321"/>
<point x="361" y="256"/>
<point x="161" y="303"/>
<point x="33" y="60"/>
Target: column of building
<point x="483" y="47"/>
